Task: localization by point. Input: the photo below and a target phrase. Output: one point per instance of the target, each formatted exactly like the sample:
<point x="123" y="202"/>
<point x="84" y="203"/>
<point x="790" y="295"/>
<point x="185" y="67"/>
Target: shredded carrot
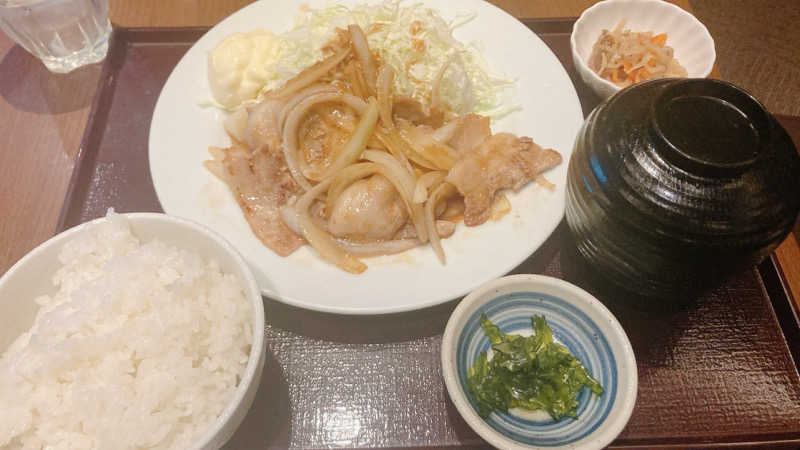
<point x="627" y="65"/>
<point x="659" y="39"/>
<point x="640" y="74"/>
<point x="633" y="56"/>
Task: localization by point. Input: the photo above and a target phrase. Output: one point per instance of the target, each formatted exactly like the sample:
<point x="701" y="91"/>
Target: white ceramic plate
<point x="181" y="132"/>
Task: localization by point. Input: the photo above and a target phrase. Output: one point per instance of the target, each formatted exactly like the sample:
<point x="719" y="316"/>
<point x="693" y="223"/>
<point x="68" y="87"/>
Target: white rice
<point x="142" y="346"/>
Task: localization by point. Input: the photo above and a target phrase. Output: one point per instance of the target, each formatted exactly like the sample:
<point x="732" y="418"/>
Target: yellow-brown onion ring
<point x="292" y="124"/>
<point x="405" y="182"/>
<point x="379" y="248"/>
<point x="346" y="177"/>
<point x="310" y="75"/>
<point x="444" y="228"/>
<point x="358" y="140"/>
<point x="388" y="141"/>
<point x="443" y="190"/>
<point x="361" y="47"/>
<point x="441" y="155"/>
<point x="300" y="96"/>
<point x="542" y="181"/>
<point x="354" y="74"/>
<point x="407" y="178"/>
<point x="390" y="247"/>
<point x="446" y="132"/>
<point x="398" y="145"/>
<point x="424" y="182"/>
<point x="384" y="93"/>
<point x="289" y="217"/>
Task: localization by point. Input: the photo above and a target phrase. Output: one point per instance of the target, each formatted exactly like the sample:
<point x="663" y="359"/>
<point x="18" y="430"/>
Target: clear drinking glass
<point x="63" y="34"/>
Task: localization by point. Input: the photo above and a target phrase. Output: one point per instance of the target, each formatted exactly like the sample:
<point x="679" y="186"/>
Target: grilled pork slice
<point x="261" y="184"/>
<point x="471" y="130"/>
<point x="499" y="162"/>
<point x="261" y="126"/>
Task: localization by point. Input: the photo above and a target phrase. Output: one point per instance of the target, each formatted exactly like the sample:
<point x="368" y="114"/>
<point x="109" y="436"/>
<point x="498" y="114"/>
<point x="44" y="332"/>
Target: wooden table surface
<point x="43" y="118"/>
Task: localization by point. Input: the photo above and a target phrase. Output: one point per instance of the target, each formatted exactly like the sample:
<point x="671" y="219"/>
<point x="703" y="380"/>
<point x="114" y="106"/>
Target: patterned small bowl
<point x="579" y="322"/>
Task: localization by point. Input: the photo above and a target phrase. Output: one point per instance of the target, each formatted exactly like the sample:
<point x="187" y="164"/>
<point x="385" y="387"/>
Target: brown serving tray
<point x="721" y="371"/>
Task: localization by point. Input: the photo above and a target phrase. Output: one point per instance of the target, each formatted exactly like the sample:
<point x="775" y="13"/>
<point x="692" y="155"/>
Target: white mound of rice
<point x="142" y="346"/>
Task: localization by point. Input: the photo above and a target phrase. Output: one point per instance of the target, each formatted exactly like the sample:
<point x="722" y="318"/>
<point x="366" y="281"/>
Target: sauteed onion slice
<point x="444" y="190"/>
<point x="320" y="239"/>
<point x="295" y="118"/>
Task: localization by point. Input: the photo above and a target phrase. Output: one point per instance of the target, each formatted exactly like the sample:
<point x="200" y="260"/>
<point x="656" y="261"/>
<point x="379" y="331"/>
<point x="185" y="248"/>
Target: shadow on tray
<point x="53" y="93"/>
<point x="656" y="329"/>
<point x="268" y="422"/>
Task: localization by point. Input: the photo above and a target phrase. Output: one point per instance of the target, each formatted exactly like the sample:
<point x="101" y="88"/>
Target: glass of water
<point x="63" y="34"/>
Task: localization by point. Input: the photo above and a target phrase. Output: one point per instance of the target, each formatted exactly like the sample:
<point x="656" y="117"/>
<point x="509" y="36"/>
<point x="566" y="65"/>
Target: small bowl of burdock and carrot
<point x="533" y="361"/>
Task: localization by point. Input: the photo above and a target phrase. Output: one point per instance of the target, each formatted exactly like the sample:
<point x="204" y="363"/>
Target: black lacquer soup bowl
<point x="675" y="184"/>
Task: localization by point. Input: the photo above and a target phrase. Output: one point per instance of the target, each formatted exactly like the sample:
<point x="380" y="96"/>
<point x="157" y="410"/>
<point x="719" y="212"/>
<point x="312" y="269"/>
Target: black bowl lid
<point x="696" y="160"/>
<point x="709" y="127"/>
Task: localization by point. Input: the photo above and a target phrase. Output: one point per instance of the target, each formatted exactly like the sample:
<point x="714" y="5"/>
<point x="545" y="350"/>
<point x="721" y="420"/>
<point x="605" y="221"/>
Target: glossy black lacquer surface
<point x="675" y="184"/>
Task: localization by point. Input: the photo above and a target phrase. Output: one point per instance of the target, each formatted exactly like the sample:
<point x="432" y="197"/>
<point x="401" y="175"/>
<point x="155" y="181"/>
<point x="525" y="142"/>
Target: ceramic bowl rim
<point x="614" y="423"/>
<point x="704" y="73"/>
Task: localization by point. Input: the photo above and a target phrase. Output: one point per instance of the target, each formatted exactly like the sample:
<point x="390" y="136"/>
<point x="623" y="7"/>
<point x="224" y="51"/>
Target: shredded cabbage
<point x="414" y="40"/>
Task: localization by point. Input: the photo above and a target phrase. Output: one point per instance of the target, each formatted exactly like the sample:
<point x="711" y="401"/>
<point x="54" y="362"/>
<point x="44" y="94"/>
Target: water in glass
<point x="63" y="34"/>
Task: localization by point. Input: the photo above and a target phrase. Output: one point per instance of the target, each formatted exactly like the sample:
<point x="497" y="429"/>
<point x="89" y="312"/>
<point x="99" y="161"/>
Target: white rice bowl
<point x="141" y="345"/>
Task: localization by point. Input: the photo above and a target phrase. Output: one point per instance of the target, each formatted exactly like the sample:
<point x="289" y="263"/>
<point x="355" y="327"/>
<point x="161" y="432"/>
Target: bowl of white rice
<point x="135" y="330"/>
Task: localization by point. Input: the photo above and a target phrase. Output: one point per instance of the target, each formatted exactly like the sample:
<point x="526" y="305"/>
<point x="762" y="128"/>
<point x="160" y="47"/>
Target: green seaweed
<point x="533" y="373"/>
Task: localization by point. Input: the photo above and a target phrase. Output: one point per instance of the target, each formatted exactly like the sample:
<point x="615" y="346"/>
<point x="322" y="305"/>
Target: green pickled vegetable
<point x="527" y="372"/>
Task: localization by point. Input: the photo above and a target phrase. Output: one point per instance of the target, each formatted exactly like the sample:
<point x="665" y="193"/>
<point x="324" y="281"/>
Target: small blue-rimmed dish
<point x="578" y="321"/>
